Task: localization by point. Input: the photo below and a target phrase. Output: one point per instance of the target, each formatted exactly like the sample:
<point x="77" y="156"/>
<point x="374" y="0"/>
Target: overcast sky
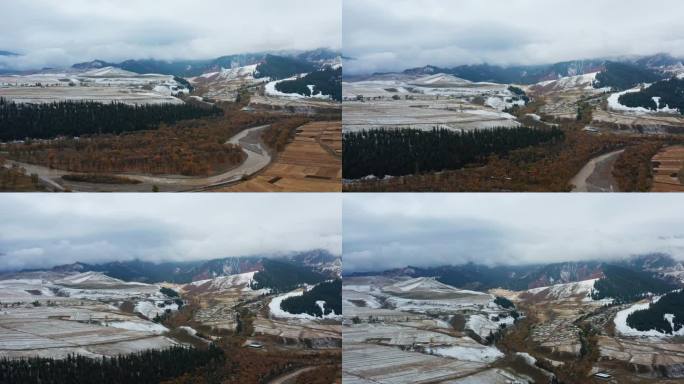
<point x="43" y="230"/>
<point x="390" y="35"/>
<point x="63" y="32"/>
<point x="451" y="229"/>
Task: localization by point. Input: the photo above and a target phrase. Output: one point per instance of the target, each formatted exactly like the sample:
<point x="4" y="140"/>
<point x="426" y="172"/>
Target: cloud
<point x="441" y="229"/>
<point x="47" y="230"/>
<point x="60" y="33"/>
<point x="392" y="35"/>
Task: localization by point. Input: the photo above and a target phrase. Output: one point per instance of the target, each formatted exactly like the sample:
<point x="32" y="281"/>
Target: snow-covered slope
<point x="580" y="289"/>
<point x="93" y="279"/>
<point x="584" y="82"/>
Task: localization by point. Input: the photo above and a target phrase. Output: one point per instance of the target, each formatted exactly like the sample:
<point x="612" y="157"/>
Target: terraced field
<point x="668" y="170"/>
<point x="311" y="162"/>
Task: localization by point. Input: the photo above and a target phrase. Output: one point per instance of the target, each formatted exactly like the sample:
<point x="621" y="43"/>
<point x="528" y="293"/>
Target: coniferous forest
<point x="400" y="152"/>
<point x="146" y="367"/>
<point x="621" y="76"/>
<point x="626" y="285"/>
<point x="654" y="316"/>
<point x="327" y="81"/>
<point x="329" y="291"/>
<point x="69" y="118"/>
<point x="670" y="92"/>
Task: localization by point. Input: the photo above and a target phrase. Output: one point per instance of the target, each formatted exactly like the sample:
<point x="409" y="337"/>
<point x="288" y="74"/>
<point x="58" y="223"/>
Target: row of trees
<point x="151" y="366"/>
<point x="399" y="152"/>
<point x="189" y="147"/>
<point x="330" y="292"/>
<point x="653" y="318"/>
<point x="71" y="118"/>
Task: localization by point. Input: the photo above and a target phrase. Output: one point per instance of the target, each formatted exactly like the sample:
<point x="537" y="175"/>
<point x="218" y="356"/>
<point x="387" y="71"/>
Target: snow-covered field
<point x="90" y="329"/>
<point x="403" y="327"/>
<point x="104" y="85"/>
<point x="425" y="102"/>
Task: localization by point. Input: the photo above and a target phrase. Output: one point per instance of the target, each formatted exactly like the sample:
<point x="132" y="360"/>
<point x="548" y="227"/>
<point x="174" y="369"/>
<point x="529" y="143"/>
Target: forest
<point x="328" y="291"/>
<point x="384" y="152"/>
<point x="670" y="92"/>
<point x="626" y="285"/>
<point x="279" y="67"/>
<point x="73" y="119"/>
<point x="150" y="366"/>
<point x="283" y="276"/>
<point x="621" y="76"/>
<point x="654" y="316"/>
<point x="327" y="81"/>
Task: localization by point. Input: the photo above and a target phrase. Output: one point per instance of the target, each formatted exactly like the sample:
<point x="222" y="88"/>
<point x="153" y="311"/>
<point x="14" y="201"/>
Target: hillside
<point x="665" y="316"/>
<point x="278" y="67"/>
<point x="626" y="285"/>
<point x="283" y="276"/>
<point x="663" y="95"/>
<point x="327" y="82"/>
<point x="621" y="76"/>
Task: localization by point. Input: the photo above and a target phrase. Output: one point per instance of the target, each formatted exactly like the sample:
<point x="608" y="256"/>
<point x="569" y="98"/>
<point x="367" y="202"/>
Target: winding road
<point x="596" y="175"/>
<point x="258" y="158"/>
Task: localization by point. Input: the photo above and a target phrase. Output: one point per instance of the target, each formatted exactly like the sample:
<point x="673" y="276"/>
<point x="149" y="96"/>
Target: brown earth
<point x="668" y="165"/>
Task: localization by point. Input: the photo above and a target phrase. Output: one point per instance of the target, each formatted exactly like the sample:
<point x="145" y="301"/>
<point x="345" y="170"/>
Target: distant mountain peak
<point x="95" y="64"/>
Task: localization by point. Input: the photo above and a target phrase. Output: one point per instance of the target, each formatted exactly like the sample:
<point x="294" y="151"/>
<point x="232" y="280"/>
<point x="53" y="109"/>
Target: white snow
<point x="191" y="331"/>
<point x="482" y="325"/>
<point x="501" y="103"/>
<point x="478" y="354"/>
<point x="529" y="359"/>
<point x="151" y="309"/>
<point x="567" y="290"/>
<point x="580" y="81"/>
<point x="155" y="328"/>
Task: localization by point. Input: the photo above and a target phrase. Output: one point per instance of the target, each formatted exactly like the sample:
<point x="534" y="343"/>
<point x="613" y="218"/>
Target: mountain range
<point x="321" y="261"/>
<point x="523" y="277"/>
<point x="531" y="74"/>
<point x="303" y="61"/>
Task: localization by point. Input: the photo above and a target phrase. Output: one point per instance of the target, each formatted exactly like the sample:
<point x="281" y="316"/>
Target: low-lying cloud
<point x="392" y="35"/>
<point x="510" y="229"/>
<point x="53" y="33"/>
<point x="39" y="231"/>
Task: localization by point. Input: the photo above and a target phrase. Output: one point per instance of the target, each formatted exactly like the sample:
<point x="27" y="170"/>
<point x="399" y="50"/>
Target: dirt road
<point x="596" y="175"/>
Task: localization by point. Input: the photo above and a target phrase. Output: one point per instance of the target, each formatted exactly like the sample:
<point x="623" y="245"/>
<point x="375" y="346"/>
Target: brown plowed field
<point x="310" y="163"/>
<point x="668" y="173"/>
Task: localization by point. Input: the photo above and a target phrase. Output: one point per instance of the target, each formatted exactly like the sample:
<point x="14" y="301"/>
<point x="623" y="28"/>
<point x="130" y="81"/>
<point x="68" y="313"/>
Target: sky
<point x="425" y="230"/>
<point x="393" y="35"/>
<point x="43" y="230"/>
<point x="59" y="33"/>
